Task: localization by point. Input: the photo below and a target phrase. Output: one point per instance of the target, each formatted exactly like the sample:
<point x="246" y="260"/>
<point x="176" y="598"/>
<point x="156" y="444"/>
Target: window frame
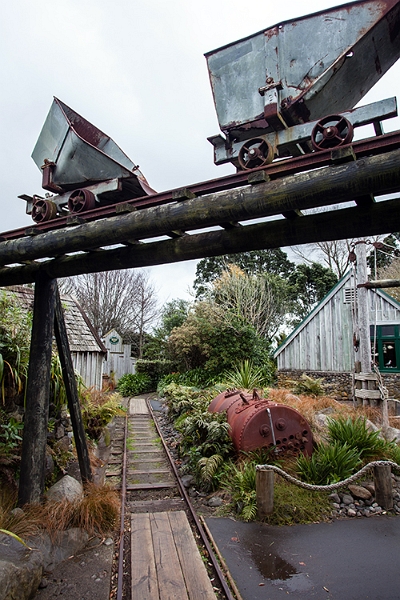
<point x="380" y="340"/>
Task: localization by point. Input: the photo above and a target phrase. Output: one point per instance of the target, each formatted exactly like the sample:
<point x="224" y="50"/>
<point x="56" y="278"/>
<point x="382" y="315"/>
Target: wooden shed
<point x="322" y="344"/>
<point x="119" y="360"/>
<point x="87" y="349"/>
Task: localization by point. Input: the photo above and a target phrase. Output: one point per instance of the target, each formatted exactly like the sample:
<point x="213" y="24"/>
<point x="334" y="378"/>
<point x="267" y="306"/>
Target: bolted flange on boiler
<point x="258" y="423"/>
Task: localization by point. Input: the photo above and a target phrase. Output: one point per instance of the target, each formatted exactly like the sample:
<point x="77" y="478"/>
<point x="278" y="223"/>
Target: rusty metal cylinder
<point x="258" y="423"/>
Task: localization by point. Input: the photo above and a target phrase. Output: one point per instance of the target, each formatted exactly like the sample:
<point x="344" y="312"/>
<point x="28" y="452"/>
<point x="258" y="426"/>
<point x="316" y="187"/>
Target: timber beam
<point x="329" y="185"/>
<point x="357" y="221"/>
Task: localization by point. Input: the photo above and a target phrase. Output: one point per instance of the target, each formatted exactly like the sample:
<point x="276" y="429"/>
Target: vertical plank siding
<point x="324" y="340"/>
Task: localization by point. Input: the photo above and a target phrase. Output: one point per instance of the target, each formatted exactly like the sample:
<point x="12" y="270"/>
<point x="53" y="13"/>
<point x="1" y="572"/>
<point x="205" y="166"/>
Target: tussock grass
<point x="97" y="513"/>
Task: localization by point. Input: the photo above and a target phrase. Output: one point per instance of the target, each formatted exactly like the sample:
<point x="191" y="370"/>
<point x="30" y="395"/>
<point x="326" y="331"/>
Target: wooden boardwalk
<point x="165" y="561"/>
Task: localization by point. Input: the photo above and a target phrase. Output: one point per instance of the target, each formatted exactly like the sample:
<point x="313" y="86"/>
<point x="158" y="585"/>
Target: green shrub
<point x="240" y="481"/>
<point x="154" y="369"/>
<point x="98" y="409"/>
<point x="309" y="386"/>
<point x="134" y="384"/>
<point x="329" y="463"/>
<point x="356" y="434"/>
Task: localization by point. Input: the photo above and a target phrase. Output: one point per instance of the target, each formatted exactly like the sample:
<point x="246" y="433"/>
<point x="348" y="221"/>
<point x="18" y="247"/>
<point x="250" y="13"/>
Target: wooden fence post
<point x="71" y="391"/>
<point x="383" y="486"/>
<point x="265" y="492"/>
<point x="31" y="484"/>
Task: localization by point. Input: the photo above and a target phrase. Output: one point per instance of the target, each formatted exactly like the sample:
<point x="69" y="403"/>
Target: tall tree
<point x="309" y="284"/>
<point x="334" y="254"/>
<point x="258" y="300"/>
<point x="122" y="300"/>
<point x="272" y="261"/>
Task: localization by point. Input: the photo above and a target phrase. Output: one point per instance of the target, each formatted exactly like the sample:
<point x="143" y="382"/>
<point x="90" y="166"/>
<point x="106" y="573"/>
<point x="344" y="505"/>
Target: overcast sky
<point x="136" y="70"/>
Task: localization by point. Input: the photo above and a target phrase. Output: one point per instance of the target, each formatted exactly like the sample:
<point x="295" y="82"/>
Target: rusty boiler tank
<point x="258" y="423"/>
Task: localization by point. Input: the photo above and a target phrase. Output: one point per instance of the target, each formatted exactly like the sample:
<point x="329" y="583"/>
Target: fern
<point x="208" y="467"/>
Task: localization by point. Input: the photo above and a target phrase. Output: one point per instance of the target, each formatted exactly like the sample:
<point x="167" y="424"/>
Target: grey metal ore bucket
<point x="80" y="154"/>
<point x="304" y="69"/>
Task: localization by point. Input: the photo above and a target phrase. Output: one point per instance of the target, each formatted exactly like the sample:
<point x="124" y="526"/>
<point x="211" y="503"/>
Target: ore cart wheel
<point x="330" y="132"/>
<point x="255" y="153"/>
<point x="44" y="210"/>
<point x="81" y="200"/>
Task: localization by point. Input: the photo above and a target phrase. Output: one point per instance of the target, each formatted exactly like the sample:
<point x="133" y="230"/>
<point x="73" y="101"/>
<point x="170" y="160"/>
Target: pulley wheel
<point x="81" y="200"/>
<point x="44" y="210"/>
<point x="255" y="153"/>
<point x="330" y="132"/>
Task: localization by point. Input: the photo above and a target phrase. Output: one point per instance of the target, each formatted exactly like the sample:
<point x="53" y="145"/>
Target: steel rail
<point x="122" y="525"/>
<point x="196" y="520"/>
<point x="315" y="160"/>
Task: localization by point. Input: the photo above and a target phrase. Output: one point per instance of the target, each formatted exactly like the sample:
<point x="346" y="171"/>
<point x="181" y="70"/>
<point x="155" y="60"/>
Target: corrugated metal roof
<point x="81" y="335"/>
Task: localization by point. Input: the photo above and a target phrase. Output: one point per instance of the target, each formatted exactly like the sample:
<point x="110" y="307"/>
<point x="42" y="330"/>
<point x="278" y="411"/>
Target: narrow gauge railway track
<point x="158" y="557"/>
<point x="275" y="170"/>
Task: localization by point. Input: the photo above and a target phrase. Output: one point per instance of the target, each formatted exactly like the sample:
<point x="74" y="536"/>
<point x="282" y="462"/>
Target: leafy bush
<point x="329" y="463"/>
<point x="240" y="481"/>
<point x="154" y="369"/>
<point x="134" y="384"/>
<point x="10" y="435"/>
<point x="15" y="334"/>
<point x="308" y="385"/>
<point x="198" y="378"/>
<point x="181" y="399"/>
<point x="98" y="409"/>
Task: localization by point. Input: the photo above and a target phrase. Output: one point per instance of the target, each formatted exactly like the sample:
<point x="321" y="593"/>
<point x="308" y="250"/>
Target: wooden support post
<point x="362" y="326"/>
<point x="33" y="458"/>
<point x="265" y="492"/>
<point x="71" y="391"/>
<point x="383" y="486"/>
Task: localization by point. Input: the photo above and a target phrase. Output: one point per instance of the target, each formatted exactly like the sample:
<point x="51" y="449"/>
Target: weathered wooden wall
<point x="324" y="340"/>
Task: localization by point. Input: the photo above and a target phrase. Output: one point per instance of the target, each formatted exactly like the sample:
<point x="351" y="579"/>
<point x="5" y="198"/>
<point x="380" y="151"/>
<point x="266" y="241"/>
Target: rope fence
<point x="332" y="486"/>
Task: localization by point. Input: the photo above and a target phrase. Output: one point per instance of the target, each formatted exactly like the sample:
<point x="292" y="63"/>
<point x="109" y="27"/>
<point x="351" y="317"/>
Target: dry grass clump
<point x="97" y="512"/>
<point x="309" y="406"/>
<point x="20" y="523"/>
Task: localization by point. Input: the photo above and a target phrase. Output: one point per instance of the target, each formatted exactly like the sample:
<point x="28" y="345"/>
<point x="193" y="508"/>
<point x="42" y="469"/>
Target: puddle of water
<point x="271" y="565"/>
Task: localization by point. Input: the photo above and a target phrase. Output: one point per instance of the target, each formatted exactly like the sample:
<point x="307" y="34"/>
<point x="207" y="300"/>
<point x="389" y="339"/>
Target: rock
<point x="59" y="431"/>
<point x="321" y="419"/>
<point x="17" y="512"/>
<point x="351" y="512"/>
<point x="214" y="501"/>
<point x="392" y="434"/>
<point x="49" y="465"/>
<point x="59" y="546"/>
<point x="347" y="499"/>
<point x="334" y="498"/>
<point x="370" y="487"/>
<point x="358" y="491"/>
<point x="67" y="488"/>
<point x="370" y="426"/>
<point x="20" y="569"/>
<point x="63" y="445"/>
<point x="187" y="480"/>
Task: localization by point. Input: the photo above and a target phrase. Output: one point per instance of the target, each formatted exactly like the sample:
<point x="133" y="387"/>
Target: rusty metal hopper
<point x="73" y="153"/>
<point x="304" y="69"/>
